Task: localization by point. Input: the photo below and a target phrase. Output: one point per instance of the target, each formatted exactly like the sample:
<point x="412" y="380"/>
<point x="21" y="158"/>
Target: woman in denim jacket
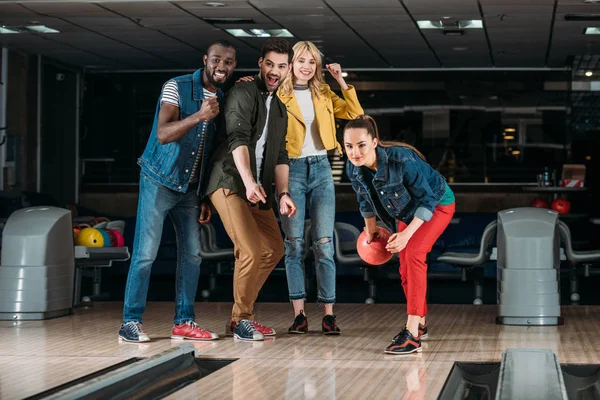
<point x="393" y="181"/>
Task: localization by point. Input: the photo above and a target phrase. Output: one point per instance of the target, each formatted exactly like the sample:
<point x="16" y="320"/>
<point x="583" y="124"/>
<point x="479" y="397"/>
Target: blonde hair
<point x="287" y="87"/>
<point x="368" y="123"/>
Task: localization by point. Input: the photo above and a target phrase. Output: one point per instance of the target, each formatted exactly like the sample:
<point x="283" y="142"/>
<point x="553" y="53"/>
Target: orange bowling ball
<point x="374" y="253"/>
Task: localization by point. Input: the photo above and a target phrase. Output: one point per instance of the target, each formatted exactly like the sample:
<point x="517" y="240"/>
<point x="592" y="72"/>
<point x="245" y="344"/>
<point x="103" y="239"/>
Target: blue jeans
<point x="311" y="187"/>
<point x="155" y="202"/>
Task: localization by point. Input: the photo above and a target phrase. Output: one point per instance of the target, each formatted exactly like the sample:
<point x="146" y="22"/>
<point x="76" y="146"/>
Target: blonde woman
<point x="312" y="106"/>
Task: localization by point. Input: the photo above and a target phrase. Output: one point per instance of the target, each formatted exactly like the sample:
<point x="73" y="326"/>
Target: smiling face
<point x="360" y="147"/>
<point x="219" y="64"/>
<point x="274" y="67"/>
<point x="305" y="67"/>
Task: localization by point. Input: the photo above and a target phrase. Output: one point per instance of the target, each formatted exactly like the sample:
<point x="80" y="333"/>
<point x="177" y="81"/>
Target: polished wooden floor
<point x="38" y="355"/>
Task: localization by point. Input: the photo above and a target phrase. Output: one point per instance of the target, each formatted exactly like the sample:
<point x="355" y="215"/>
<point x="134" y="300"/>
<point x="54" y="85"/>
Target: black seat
<point x="576" y="257"/>
<point x="213" y="255"/>
<point x="469" y="260"/>
<point x="345" y="237"/>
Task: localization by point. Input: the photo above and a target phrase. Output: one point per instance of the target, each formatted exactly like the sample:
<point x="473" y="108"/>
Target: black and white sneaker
<point x="245" y="330"/>
<point x="133" y="331"/>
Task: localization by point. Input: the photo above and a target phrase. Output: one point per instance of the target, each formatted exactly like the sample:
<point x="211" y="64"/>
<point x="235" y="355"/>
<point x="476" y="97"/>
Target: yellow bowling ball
<point x="90" y="237"/>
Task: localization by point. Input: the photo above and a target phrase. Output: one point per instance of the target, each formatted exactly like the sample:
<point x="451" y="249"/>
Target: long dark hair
<point x="368" y="123"/>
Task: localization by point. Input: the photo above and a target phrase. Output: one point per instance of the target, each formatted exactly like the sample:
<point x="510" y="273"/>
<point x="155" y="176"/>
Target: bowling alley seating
<point x="213" y="257"/>
<point x="575" y="258"/>
<point x="345" y="237"/>
<point x="466" y="260"/>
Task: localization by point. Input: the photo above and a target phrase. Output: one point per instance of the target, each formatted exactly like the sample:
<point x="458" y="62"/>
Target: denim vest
<point x="405" y="184"/>
<point x="171" y="164"/>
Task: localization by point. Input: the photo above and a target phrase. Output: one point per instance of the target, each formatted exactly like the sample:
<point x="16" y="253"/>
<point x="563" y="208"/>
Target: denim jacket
<point x="406" y="186"/>
<point x="171" y="164"/>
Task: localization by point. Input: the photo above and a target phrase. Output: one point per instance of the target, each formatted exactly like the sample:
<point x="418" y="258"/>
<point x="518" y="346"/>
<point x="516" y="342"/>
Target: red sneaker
<point x="191" y="331"/>
<point x="266" y="331"/>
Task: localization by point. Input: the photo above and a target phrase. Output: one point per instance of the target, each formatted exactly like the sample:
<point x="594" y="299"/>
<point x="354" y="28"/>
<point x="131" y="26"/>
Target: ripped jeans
<point x="311" y="187"/>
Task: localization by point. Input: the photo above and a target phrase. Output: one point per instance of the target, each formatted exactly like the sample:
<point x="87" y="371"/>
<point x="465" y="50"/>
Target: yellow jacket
<point x="327" y="106"/>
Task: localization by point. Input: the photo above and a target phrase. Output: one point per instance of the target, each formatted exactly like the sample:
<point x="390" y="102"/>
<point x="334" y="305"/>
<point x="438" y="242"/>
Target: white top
<point x="313" y="145"/>
<point x="260" y="144"/>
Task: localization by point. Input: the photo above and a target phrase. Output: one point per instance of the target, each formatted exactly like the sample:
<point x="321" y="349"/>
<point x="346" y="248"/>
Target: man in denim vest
<point x="173" y="166"/>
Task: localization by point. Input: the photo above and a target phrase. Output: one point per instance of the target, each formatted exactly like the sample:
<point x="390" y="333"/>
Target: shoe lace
<point x="249" y="326"/>
<point x="299" y="318"/>
<point x="193" y="324"/>
<point x="402" y="336"/>
<point x="257" y="325"/>
<point x="137" y="326"/>
<point x="329" y="320"/>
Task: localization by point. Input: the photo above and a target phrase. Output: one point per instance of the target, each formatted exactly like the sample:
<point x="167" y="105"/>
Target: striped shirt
<point x="170" y="95"/>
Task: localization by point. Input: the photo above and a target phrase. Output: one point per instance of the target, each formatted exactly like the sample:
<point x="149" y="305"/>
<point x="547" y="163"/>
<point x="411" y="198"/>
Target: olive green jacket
<point x="245" y="117"/>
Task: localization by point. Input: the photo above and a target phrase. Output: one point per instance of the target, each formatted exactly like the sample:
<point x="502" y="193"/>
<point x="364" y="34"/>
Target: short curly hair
<point x="279" y="46"/>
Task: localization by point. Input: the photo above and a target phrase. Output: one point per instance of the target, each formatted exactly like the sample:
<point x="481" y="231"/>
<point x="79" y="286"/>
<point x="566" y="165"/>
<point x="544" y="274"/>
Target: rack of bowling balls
<point x="99" y="232"/>
<point x="560" y="205"/>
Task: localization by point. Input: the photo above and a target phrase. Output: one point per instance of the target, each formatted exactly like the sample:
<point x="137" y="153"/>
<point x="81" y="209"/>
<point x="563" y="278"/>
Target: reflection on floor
<point x="38" y="355"/>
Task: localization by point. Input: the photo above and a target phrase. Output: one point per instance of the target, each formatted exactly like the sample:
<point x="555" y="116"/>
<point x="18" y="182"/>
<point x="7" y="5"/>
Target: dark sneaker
<point x="404" y="343"/>
<point x="245" y="330"/>
<point x="300" y="324"/>
<point x="133" y="331"/>
<point x="423" y="331"/>
<point x="191" y="331"/>
<point x="329" y="326"/>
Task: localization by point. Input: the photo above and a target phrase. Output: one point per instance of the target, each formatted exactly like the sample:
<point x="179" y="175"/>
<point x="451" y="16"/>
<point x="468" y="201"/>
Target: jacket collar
<point x="290" y="97"/>
<point x="198" y="89"/>
<point x="260" y="84"/>
<point x="382" y="166"/>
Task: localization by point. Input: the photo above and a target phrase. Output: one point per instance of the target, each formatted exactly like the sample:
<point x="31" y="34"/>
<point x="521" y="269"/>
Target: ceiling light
<point x="4" y="30"/>
<point x="25" y="29"/>
<point x="259" y="32"/>
<point x="510" y="130"/>
<point x="439" y="24"/>
<point x="588" y="158"/>
<point x="41" y="29"/>
<point x="509" y="137"/>
<point x="214" y="4"/>
<point x="589" y="73"/>
<point x="344" y="74"/>
<point x="516" y="152"/>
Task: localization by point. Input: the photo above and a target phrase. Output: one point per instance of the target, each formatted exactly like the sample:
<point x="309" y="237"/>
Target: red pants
<point x="413" y="270"/>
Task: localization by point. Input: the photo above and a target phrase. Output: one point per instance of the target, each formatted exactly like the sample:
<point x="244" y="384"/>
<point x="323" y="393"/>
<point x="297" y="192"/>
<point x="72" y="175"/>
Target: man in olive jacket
<point x="250" y="158"/>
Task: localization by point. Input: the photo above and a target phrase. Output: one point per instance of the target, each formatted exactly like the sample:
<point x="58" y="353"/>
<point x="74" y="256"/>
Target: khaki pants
<point x="258" y="247"/>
